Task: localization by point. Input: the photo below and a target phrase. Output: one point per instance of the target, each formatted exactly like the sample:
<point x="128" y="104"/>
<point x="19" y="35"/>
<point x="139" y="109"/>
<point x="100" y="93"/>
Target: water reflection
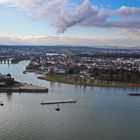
<point x="9" y="95"/>
<point x="52" y="84"/>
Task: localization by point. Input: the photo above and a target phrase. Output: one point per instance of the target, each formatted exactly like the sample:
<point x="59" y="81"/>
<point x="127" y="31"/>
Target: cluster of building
<point x="82" y="66"/>
<point x="130" y="64"/>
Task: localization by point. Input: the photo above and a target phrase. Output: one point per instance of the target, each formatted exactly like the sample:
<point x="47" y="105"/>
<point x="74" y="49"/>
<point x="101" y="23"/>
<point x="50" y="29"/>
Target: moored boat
<point x="24" y="72"/>
<point x="134" y="94"/>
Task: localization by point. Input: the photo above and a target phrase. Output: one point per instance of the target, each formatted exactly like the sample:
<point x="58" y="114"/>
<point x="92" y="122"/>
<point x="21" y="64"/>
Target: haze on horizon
<point x="70" y="22"/>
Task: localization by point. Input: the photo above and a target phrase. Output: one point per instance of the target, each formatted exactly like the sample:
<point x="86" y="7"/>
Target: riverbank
<point x="24" y="87"/>
<point x="69" y="80"/>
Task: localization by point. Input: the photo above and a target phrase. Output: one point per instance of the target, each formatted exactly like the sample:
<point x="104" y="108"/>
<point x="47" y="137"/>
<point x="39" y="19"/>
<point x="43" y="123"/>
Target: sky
<point x="70" y="22"/>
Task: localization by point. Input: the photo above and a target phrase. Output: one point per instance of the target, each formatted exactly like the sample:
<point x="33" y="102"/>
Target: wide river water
<point x="100" y="113"/>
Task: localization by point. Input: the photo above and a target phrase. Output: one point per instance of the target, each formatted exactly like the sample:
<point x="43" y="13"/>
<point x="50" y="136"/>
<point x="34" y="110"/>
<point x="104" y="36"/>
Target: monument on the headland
<point x="6" y="80"/>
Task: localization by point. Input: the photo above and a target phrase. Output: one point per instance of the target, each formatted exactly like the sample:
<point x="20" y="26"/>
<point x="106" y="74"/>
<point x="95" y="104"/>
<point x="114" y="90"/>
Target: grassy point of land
<point x="86" y="82"/>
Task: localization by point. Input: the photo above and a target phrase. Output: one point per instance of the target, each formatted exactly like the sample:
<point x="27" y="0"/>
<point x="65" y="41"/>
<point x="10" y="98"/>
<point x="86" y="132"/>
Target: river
<point x="100" y="113"/>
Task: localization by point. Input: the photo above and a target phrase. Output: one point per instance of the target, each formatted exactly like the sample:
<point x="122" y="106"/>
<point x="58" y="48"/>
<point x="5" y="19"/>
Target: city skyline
<point x="69" y="22"/>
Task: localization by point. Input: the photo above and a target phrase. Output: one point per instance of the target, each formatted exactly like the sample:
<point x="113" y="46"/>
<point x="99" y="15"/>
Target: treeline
<point x="111" y="55"/>
<point x="120" y="75"/>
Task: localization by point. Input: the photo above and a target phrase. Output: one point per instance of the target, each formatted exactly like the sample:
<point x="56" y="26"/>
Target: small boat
<point x="1" y="104"/>
<point x="134" y="94"/>
<point x="24" y="72"/>
<point x="57" y="109"/>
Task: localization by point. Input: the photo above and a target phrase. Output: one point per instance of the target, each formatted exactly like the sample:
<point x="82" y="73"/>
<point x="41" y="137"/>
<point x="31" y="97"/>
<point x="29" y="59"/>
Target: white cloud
<point x="5" y="1"/>
<point x="118" y="39"/>
<point x="127" y="11"/>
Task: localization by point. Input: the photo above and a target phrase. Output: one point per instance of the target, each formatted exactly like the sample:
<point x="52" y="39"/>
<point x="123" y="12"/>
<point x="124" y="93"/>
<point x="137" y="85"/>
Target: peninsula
<point x="103" y="70"/>
<point x="87" y="82"/>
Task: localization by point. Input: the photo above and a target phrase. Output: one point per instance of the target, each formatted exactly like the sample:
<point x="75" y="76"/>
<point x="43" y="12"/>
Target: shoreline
<point x="64" y="80"/>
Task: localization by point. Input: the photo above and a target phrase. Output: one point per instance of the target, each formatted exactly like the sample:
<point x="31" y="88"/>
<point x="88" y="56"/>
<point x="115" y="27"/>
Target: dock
<point x="59" y="102"/>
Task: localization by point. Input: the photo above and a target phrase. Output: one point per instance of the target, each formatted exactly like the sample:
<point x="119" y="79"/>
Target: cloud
<point x="83" y="15"/>
<point x="70" y="18"/>
<point x="5" y="1"/>
<point x="64" y="14"/>
<point x="88" y="15"/>
<point x="128" y="11"/>
<point x="123" y="38"/>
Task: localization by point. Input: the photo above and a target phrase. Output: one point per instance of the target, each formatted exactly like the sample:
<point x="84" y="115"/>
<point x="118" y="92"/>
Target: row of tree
<point x="115" y="75"/>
